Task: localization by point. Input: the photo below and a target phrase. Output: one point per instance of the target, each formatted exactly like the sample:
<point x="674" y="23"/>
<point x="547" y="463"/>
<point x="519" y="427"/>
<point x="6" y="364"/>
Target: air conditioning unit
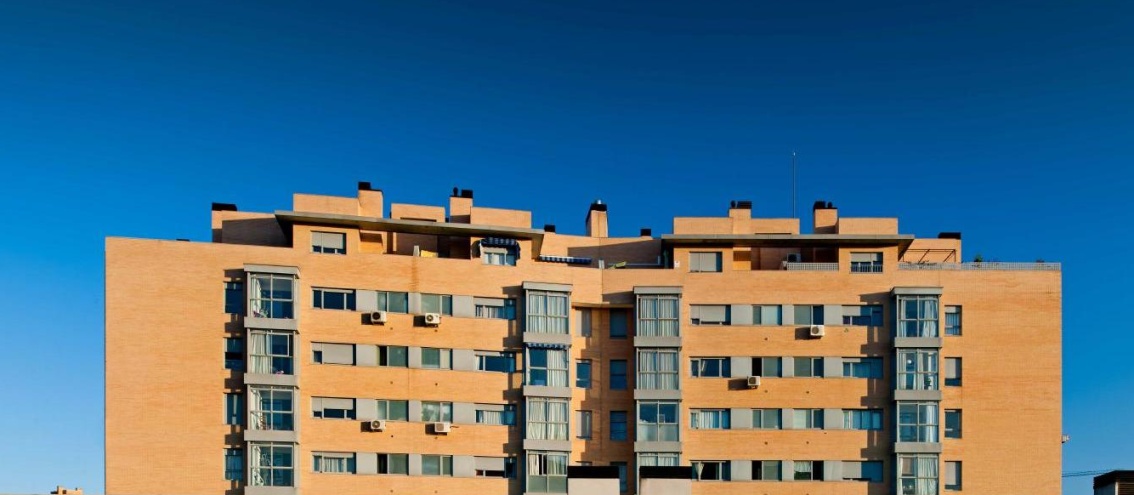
<point x="442" y="428"/>
<point x="817" y="331"/>
<point x="378" y="425"/>
<point x="377" y="317"/>
<point x="432" y="319"/>
<point x="753" y="381"/>
<point x="792" y="258"/>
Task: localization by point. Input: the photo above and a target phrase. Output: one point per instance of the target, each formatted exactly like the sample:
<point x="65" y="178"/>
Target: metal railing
<point x="982" y="266"/>
<point x="811" y="267"/>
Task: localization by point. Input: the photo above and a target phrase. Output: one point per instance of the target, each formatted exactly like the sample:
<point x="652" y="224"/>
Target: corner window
<point x="808" y="470"/>
<point x="271" y="408"/>
<point x="917" y="316"/>
<point x="272" y="464"/>
<point x="342" y="299"/>
<point x="719" y="367"/>
<point x="547" y="312"/>
<point x="272" y="296"/>
<point x="547" y="418"/>
<point x="328" y="242"/>
<point x="234" y="297"/>
<point x="953" y="320"/>
<point x="271" y="353"/>
<point x="808" y="314"/>
<point x="718" y="314"/>
<point x="705" y="261"/>
<point x="917" y="369"/>
<point x="547" y="367"/>
<point x="437" y="303"/>
<point x="866" y="262"/>
<point x="711" y="470"/>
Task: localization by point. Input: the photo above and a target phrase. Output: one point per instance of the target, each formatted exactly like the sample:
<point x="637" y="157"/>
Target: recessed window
<point x="234" y="409"/>
<point x="953" y="475"/>
<point x="341" y="299"/>
<point x="332" y="408"/>
<point x="862" y="316"/>
<point x="234" y="297"/>
<point x="808" y="367"/>
<point x="767" y="470"/>
<point x="862" y="419"/>
<point x="767" y="314"/>
<point x="498" y="361"/>
<point x="393" y="410"/>
<point x="272" y="464"/>
<point x="500" y="256"/>
<point x="917" y="369"/>
<point x="623" y="482"/>
<point x="709" y="419"/>
<point x="618" y="429"/>
<point x="393" y="464"/>
<point x="705" y="261"/>
<point x="769" y="367"/>
<point x="952" y="372"/>
<point x="496" y="414"/>
<point x="234" y="464"/>
<point x="393" y="302"/>
<point x="867" y="367"/>
<point x="328" y="242"/>
<point x="271" y="296"/>
<point x="619" y="323"/>
<point x="394" y="356"/>
<point x="717" y="314"/>
<point x="234" y="353"/>
<point x="711" y="470"/>
<point x="334" y="462"/>
<point x="952" y="423"/>
<point x="436" y="465"/>
<point x="492" y="308"/>
<point x="866" y="262"/>
<point x="808" y="314"/>
<point x="808" y="470"/>
<point x="917" y="422"/>
<point x="952" y="320"/>
<point x="432" y="412"/>
<point x="618" y="374"/>
<point x="437" y="303"/>
<point x="437" y="359"/>
<point x="583" y="373"/>
<point x="720" y="367"/>
<point x="583" y="427"/>
<point x="807" y="419"/>
<point x="767" y="419"/>
<point x="657" y="369"/>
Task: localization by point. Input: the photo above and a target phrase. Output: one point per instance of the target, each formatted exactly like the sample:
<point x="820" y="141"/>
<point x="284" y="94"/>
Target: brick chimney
<point x="370" y="201"/>
<point x="596" y="220"/>
<point x="460" y="205"/>
<point x="826" y="218"/>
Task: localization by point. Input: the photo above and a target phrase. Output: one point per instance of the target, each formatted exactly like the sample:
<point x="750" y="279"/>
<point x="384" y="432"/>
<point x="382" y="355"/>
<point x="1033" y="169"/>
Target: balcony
<point x="983" y="266"/>
<point x="810" y="267"/>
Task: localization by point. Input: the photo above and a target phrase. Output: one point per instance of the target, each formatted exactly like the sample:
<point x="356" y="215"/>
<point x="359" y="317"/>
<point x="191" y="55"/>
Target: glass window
<point x="767" y="315"/>
<point x="437" y="303"/>
<point x="395" y="356"/>
<point x="493" y="414"/>
<point x="657" y="369"/>
<point x="866" y="262"/>
<point x="332" y="408"/>
<point x="334" y="462"/>
<point x="623" y="482"/>
<point x="342" y="299"/>
<point x="547" y="418"/>
<point x="953" y="475"/>
<point x="432" y="358"/>
<point x="271" y="408"/>
<point x="547" y="472"/>
<point x="711" y="470"/>
<point x="705" y="261"/>
<point x="952" y="423"/>
<point x="709" y="419"/>
<point x="808" y="470"/>
<point x="718" y="314"/>
<point x="547" y="367"/>
<point x="234" y="464"/>
<point x="583" y="373"/>
<point x="501" y="362"/>
<point x="952" y="320"/>
<point x="712" y="367"/>
<point x="618" y="374"/>
<point x="328" y="242"/>
<point x="501" y="256"/>
<point x="658" y="316"/>
<point x="952" y="372"/>
<point x="271" y="353"/>
<point x="436" y="465"/>
<point x="917" y="369"/>
<point x="272" y="464"/>
<point x="272" y="296"/>
<point x="234" y="297"/>
<point x="495" y="467"/>
<point x="233" y="409"/>
<point x="234" y="353"/>
<point x="767" y="367"/>
<point x="867" y="367"/>
<point x="432" y="412"/>
<point x="872" y="471"/>
<point x="767" y="419"/>
<point x="917" y="474"/>
<point x="657" y="421"/>
<point x="808" y="367"/>
<point x="863" y="316"/>
<point x="917" y="422"/>
<point x="862" y="419"/>
<point x="583" y="418"/>
<point x="618" y="429"/>
<point x="767" y="470"/>
<point x="393" y="302"/>
<point x="619" y="321"/>
<point x="917" y="316"/>
<point x="500" y="309"/>
<point x="808" y="314"/>
<point x="393" y="410"/>
<point x="807" y="419"/>
<point x="583" y="322"/>
<point x="393" y="464"/>
<point x="547" y="312"/>
<point x="656" y="459"/>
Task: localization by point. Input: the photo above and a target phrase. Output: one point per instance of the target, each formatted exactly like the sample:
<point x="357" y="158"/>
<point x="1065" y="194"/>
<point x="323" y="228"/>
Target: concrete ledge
<point x="283" y="270"/>
<point x="271" y="323"/>
<point x="924" y="342"/>
<point x="917" y="448"/>
<point x="271" y="436"/>
<point x="916" y="291"/>
<point x="918" y="395"/>
<point x="265" y="379"/>
<point x="547" y="338"/>
<point x="657" y="341"/>
<point x="651" y="290"/>
<point x="271" y="490"/>
<point x="550" y="445"/>
<point x="542" y="391"/>
<point x="547" y="287"/>
<point x="657" y="447"/>
<point x="640" y="394"/>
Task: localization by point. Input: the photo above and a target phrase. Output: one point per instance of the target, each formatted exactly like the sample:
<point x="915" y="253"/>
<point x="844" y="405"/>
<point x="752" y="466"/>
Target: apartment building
<point x="338" y="347"/>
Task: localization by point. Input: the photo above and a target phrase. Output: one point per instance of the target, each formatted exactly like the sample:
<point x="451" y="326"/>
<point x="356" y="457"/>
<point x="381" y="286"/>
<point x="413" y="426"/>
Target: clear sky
<point x="1007" y="120"/>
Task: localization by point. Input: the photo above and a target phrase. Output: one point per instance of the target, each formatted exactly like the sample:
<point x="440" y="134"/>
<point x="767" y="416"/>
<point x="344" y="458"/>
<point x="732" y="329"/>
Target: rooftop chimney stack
<point x="596" y="220"/>
<point x="370" y="201"/>
<point x="460" y="205"/>
<point x="826" y="218"/>
<point x="740" y="210"/>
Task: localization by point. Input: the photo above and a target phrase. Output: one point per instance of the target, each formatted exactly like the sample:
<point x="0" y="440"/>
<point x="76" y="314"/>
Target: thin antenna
<point x="794" y="202"/>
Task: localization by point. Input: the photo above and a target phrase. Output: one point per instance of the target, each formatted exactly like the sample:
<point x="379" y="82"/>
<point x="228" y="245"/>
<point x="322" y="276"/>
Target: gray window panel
<point x="437" y="303"/>
<point x="952" y="372"/>
<point x="333" y="353"/>
<point x="710" y="314"/>
<point x="952" y="475"/>
<point x="952" y="423"/>
<point x="328" y="242"/>
<point x="393" y="356"/>
<point x="806" y="314"/>
<point x="771" y="367"/>
<point x="767" y="419"/>
<point x="489" y="463"/>
<point x="767" y="315"/>
<point x="619" y="321"/>
<point x="705" y="261"/>
<point x="767" y="470"/>
<point x="394" y="302"/>
<point x="808" y="367"/>
<point x="393" y="410"/>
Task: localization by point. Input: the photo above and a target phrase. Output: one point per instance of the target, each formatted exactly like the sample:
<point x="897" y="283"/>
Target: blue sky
<point x="1009" y="121"/>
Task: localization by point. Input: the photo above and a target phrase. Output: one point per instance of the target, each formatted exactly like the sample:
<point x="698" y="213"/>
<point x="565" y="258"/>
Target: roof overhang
<point x="413" y="226"/>
<point x="903" y="241"/>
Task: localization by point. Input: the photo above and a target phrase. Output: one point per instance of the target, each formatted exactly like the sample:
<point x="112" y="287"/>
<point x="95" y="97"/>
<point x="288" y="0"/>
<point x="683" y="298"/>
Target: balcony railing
<point x="982" y="266"/>
<point x="811" y="267"/>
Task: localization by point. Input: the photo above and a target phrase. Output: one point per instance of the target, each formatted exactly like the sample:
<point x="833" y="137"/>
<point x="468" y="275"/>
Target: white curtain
<point x="667" y="367"/>
<point x="647" y="316"/>
<point x="258" y="349"/>
<point x="927" y="476"/>
<point x="557" y="420"/>
<point x="557" y="314"/>
<point x="557" y="368"/>
<point x="929" y="419"/>
<point x="490" y="417"/>
<point x="259" y="290"/>
<point x="667" y="317"/>
<point x="536" y="310"/>
<point x="648" y="370"/>
<point x="537" y="415"/>
<point x="929" y="317"/>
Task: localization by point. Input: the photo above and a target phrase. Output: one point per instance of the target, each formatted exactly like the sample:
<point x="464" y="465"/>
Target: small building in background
<point x="1115" y="483"/>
